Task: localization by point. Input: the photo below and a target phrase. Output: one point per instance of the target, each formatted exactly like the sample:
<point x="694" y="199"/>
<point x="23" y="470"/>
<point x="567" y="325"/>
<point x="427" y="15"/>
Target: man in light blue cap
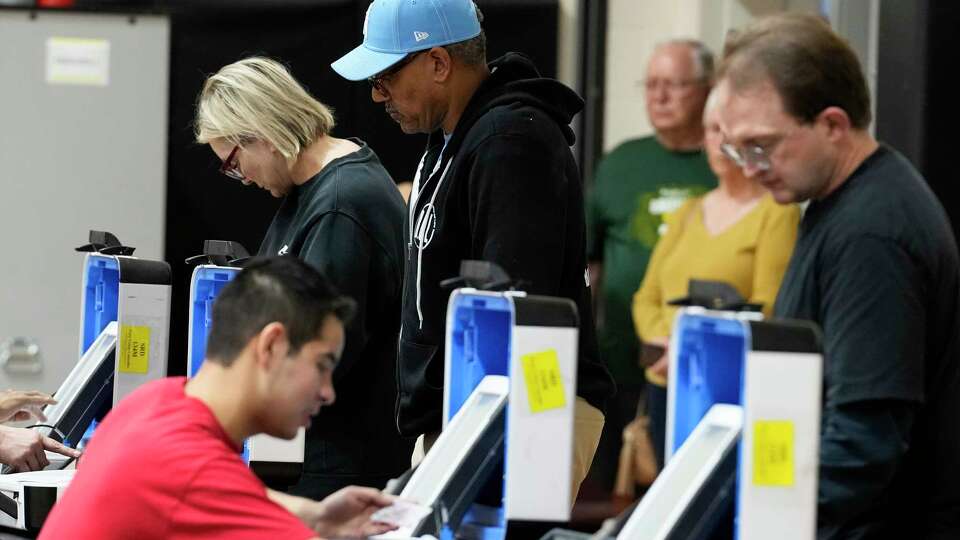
<point x="497" y="182"/>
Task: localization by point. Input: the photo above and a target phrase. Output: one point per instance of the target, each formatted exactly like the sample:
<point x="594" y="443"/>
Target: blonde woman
<point x="341" y="213"/>
<point x="736" y="233"/>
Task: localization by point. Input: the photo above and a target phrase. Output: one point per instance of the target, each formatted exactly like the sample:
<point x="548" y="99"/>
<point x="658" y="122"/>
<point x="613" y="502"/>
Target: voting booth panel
<point x="531" y="340"/>
<point x="260" y="450"/>
<point x="124" y="326"/>
<point x="773" y="370"/>
<point x="743" y="429"/>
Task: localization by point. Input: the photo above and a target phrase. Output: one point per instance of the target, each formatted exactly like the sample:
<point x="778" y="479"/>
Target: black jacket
<point x="506" y="189"/>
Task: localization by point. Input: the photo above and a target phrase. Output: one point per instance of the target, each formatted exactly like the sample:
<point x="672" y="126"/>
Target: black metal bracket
<point x="716" y="295"/>
<point x="105" y="243"/>
<point x="221" y="253"/>
<point x="483" y="275"/>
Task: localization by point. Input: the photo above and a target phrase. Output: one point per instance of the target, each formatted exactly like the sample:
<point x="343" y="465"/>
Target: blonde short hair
<point x="258" y="98"/>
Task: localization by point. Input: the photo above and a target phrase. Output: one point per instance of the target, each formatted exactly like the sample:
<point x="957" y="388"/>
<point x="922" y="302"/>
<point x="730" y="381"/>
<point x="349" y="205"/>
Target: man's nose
<point x="327" y="394"/>
<point x="752" y="171"/>
<point x="657" y="92"/>
<point x="377" y="96"/>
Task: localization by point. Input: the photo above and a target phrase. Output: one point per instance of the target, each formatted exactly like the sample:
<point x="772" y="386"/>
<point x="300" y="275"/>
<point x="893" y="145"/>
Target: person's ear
<point x="441" y="64"/>
<point x="836" y="121"/>
<point x="271" y="345"/>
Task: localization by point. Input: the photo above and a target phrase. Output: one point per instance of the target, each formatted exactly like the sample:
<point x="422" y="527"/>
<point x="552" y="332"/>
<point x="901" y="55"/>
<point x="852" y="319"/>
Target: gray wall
<point x="74" y="158"/>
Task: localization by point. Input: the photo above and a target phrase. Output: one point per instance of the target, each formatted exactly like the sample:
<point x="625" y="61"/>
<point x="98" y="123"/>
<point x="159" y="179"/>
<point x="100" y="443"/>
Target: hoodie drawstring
<point x="419" y="221"/>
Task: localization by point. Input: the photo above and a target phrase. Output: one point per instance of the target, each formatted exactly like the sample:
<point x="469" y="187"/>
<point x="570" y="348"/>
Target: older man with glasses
<point x="635" y="186"/>
<point x="876" y="266"/>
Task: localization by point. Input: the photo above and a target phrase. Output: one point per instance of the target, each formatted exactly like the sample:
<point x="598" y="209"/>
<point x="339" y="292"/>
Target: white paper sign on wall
<point x="78" y="61"/>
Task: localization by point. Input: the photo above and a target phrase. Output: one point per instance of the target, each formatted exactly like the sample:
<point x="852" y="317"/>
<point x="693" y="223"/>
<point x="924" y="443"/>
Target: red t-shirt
<point x="161" y="466"/>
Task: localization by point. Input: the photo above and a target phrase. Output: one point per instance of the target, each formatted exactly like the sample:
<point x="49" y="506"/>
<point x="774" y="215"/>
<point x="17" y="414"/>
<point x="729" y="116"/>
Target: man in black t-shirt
<point x="875" y="265"/>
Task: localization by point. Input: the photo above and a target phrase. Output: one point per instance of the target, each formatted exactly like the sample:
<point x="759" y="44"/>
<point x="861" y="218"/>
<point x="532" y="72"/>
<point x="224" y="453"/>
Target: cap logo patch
<point x="420" y="36"/>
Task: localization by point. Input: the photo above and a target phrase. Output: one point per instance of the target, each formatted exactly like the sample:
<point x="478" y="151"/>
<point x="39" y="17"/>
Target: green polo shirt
<point x="635" y="185"/>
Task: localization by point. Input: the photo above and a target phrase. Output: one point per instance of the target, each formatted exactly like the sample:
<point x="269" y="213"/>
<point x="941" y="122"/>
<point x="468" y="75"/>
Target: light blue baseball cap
<point x="395" y="28"/>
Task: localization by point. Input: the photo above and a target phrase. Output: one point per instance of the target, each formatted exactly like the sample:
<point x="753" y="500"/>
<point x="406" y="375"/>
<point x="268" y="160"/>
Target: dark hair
<point x="810" y="66"/>
<point x="274" y="289"/>
<point x="471" y="52"/>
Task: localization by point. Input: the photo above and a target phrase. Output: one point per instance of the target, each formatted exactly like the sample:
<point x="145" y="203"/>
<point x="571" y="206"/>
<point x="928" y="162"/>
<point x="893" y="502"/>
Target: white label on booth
<point x="540" y="440"/>
<point x="779" y="451"/>
<point x="272" y="449"/>
<point x="144" y="320"/>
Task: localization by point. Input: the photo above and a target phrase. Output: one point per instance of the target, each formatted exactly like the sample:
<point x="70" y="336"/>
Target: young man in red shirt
<point x="165" y="463"/>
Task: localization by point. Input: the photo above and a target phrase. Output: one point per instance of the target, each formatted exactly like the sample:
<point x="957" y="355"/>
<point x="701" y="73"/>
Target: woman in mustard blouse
<point x="736" y="233"/>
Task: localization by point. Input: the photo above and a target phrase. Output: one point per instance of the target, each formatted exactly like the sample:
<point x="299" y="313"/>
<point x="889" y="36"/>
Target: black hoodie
<point x="505" y="189"/>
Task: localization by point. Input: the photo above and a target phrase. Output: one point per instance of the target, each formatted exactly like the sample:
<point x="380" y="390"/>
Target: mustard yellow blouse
<point x="752" y="255"/>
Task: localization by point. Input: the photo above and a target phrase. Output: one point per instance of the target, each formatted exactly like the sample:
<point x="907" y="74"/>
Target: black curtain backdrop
<point x="917" y="109"/>
<point x="307" y="36"/>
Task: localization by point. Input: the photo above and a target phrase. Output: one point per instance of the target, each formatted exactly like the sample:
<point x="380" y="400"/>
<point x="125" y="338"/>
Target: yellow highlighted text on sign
<point x="541" y="373"/>
<point x="134" y="349"/>
<point x="773" y="453"/>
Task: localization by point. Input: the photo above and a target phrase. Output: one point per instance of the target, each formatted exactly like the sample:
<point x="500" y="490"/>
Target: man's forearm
<point x="860" y="447"/>
<point x="308" y="511"/>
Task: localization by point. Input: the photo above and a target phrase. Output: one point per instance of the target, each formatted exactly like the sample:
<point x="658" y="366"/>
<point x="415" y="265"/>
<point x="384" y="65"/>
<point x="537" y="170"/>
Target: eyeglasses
<point x="756" y="157"/>
<point x="377" y="80"/>
<point x="231" y="165"/>
<point x="752" y="156"/>
<point x="670" y="85"/>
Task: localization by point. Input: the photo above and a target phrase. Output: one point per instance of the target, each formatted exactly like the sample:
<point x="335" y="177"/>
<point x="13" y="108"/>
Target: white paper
<point x="402" y="514"/>
<point x="78" y="61"/>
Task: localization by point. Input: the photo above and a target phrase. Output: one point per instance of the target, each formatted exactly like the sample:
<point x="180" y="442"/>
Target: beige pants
<point x="587" y="425"/>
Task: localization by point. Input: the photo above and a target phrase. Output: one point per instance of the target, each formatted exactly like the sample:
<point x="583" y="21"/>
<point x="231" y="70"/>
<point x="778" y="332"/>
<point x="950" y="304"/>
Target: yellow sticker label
<point x="541" y="373"/>
<point x="134" y="349"/>
<point x="773" y="453"/>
